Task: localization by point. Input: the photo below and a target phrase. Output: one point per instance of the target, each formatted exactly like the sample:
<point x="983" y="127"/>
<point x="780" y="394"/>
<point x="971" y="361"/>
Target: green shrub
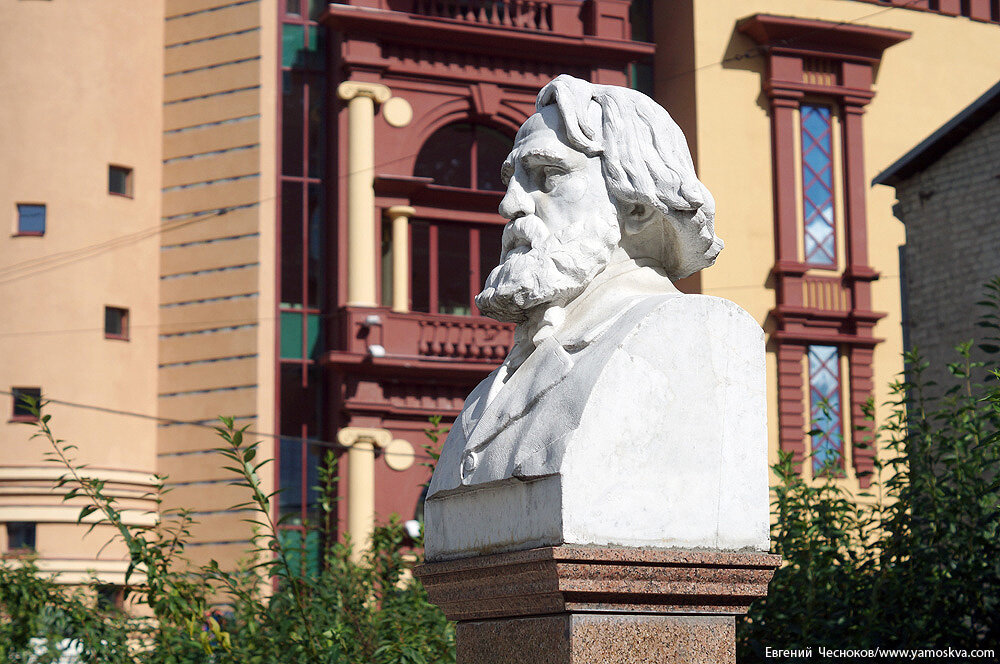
<point x="916" y="562"/>
<point x="283" y="606"/>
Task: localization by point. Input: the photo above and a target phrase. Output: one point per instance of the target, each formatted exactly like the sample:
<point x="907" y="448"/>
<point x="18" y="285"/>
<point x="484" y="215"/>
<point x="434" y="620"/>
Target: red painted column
<point x="979" y="10"/>
<point x="950" y="7"/>
<point x="861" y="386"/>
<point x="791" y="400"/>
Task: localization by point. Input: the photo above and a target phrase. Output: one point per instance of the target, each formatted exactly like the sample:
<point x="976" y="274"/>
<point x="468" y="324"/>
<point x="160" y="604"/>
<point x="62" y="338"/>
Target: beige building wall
<point x="920" y="84"/>
<point x="217" y="268"/>
<point x="80" y="92"/>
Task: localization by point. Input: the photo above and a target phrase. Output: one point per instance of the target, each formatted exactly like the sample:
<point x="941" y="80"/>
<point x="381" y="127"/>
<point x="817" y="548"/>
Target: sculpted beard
<point x="540" y="268"/>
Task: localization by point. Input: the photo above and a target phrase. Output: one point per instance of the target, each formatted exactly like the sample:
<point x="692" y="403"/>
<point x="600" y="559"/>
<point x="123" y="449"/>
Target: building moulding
<point x="835" y="61"/>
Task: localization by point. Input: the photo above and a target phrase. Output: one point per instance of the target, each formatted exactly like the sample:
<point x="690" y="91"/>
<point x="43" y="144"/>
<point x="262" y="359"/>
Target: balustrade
<point x="528" y="14"/>
<point x="825" y="293"/>
<point x="466" y="340"/>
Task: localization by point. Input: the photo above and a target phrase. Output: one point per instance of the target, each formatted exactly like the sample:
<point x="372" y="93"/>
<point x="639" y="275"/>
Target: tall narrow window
<point x="817" y="186"/>
<point x="449" y="263"/>
<point x="120" y="180"/>
<point x="30" y="219"/>
<point x="23" y="398"/>
<point x="825" y="409"/>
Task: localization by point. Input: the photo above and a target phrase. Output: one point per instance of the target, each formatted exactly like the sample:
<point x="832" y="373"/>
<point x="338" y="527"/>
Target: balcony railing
<point x="825" y="293"/>
<point x="434" y="337"/>
<point x="471" y="339"/>
<point x="528" y="14"/>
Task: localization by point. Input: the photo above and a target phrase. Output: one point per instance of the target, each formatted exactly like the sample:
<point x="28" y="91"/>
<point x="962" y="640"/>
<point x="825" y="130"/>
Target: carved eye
<point x="549" y="177"/>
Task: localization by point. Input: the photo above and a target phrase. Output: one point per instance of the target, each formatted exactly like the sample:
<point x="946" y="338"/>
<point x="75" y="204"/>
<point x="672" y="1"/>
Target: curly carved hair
<point x="645" y="160"/>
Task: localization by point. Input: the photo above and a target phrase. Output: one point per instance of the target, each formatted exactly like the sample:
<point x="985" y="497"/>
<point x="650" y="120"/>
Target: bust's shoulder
<point x="667" y="315"/>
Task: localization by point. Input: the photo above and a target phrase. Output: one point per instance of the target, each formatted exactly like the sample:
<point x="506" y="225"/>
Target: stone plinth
<point x="583" y="604"/>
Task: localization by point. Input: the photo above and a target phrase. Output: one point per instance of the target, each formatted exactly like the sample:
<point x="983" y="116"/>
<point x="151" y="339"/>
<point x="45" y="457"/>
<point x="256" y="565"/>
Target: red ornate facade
<point x="834" y="64"/>
<point x="459" y="65"/>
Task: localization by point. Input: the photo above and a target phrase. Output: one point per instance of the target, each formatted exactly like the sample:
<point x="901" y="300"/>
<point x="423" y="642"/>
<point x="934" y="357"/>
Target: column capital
<point x="348" y="90"/>
<point x="351" y="436"/>
<point x="400" y="211"/>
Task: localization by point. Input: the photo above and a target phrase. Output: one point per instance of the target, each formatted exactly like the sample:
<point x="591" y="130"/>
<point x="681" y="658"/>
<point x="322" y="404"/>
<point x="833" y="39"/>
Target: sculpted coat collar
<point x="530" y="371"/>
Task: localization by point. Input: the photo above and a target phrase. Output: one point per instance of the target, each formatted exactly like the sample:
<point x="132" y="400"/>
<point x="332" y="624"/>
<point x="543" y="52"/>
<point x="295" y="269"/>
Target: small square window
<point x="115" y="323"/>
<point x="20" y="536"/>
<point x="30" y="219"/>
<point x="120" y="180"/>
<point x="22" y="410"/>
<point x="110" y="597"/>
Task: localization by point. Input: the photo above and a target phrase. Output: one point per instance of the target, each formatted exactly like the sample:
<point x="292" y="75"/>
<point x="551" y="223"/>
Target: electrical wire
<point x="64" y="258"/>
<point x="166" y="420"/>
<point x="761" y="49"/>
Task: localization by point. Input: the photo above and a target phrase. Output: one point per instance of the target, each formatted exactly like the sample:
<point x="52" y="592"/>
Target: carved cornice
<point x="403" y="28"/>
<point x="806" y="37"/>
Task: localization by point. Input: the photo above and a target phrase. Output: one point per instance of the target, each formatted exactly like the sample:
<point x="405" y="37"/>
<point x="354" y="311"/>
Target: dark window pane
<point x="120" y="180"/>
<point x="385" y="273"/>
<point x="109" y="596"/>
<point x="21" y="408"/>
<point x="447" y="156"/>
<point x="313" y="346"/>
<point x="317" y="127"/>
<point x="489" y="250"/>
<point x="420" y="266"/>
<point x="291" y="335"/>
<point x="314" y="51"/>
<point x="315" y="257"/>
<point x="291" y="243"/>
<point x="293" y="6"/>
<point x="293" y="404"/>
<point x="115" y="322"/>
<point x="492" y="147"/>
<point x="20" y="536"/>
<point x="291" y="125"/>
<point x="30" y="218"/>
<point x="453" y="270"/>
<point x="293" y="44"/>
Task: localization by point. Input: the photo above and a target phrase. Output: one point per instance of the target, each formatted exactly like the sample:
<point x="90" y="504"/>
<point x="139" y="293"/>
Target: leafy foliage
<point x="350" y="609"/>
<point x="916" y="562"/>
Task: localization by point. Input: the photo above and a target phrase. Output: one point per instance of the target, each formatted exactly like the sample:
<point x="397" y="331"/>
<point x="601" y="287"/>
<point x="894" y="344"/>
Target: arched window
<point x="450" y="259"/>
<point x="464" y="155"/>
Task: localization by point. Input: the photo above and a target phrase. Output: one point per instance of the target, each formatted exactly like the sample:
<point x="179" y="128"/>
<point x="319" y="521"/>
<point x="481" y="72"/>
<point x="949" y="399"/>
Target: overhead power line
<point x="760" y="49"/>
<point x="166" y="420"/>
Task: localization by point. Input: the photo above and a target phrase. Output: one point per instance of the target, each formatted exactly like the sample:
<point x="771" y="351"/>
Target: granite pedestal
<point x="596" y="604"/>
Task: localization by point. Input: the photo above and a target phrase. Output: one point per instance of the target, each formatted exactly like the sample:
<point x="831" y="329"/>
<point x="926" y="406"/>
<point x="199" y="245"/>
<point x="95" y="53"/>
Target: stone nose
<point x="516" y="202"/>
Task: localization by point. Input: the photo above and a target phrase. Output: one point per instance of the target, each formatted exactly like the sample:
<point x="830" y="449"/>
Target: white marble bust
<point x="626" y="413"/>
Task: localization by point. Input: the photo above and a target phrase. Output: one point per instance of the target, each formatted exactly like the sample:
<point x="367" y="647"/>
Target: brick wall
<point x="952" y="215"/>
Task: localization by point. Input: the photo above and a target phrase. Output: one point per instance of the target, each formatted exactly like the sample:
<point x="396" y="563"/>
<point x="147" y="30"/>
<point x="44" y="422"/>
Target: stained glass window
<point x="817" y="186"/>
<point x="825" y="407"/>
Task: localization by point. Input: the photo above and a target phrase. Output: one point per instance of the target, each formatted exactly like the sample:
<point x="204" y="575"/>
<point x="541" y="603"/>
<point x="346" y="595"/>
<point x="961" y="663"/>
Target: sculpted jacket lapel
<point x="544" y="368"/>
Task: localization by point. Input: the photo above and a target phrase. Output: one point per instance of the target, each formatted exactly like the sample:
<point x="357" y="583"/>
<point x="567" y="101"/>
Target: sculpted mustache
<point x="523" y="231"/>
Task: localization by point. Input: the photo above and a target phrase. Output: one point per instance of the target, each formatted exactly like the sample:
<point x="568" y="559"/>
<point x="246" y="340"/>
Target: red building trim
<point x="444" y="59"/>
<point x="813" y="309"/>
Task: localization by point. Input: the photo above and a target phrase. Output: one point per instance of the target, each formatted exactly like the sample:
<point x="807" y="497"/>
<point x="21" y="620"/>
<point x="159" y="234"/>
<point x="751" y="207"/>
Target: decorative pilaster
<point x="361" y="444"/>
<point x="400" y="217"/>
<point x="834" y="62"/>
<point x="361" y="263"/>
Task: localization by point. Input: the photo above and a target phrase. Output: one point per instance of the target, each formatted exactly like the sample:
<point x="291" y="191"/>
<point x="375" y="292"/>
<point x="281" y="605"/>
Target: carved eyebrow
<point x="507" y="169"/>
<point x="543" y="157"/>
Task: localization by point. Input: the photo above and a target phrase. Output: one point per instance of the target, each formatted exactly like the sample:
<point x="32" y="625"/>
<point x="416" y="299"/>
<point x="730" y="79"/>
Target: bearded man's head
<point x="595" y="168"/>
